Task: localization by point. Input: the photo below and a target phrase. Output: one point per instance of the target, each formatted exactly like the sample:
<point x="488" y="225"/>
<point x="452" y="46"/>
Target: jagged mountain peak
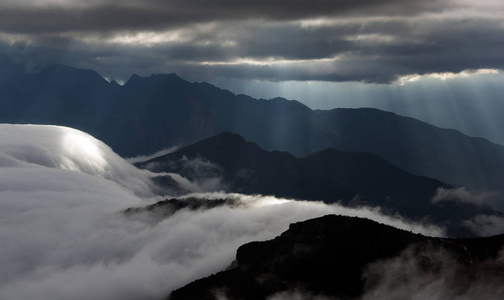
<point x="222" y="146"/>
<point x="171" y="78"/>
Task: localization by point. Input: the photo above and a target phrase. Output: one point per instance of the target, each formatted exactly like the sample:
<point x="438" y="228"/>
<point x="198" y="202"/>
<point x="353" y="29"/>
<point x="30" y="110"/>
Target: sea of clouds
<point x="64" y="235"/>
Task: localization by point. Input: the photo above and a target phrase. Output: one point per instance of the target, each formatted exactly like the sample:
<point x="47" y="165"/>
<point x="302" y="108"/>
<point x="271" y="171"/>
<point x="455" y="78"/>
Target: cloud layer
<point x="64" y="235"/>
<point x="364" y="40"/>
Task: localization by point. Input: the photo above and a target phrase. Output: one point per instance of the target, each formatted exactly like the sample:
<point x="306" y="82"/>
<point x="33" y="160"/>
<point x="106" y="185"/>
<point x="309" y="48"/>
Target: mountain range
<point x="147" y="114"/>
<point x="330" y="175"/>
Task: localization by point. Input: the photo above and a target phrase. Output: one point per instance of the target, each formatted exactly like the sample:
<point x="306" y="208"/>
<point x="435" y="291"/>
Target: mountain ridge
<point x="148" y="114"/>
<point x="331" y="175"/>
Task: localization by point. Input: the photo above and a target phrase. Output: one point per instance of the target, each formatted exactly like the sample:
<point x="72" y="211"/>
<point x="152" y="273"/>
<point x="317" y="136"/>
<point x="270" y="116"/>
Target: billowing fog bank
<point x="64" y="234"/>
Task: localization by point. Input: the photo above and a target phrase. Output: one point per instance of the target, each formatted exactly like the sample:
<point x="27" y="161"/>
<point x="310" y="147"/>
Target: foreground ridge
<point x="338" y="256"/>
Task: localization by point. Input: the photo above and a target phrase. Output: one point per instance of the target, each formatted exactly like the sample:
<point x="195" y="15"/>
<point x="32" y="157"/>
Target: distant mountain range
<point x="348" y="257"/>
<point x="330" y="175"/>
<point x="148" y="114"/>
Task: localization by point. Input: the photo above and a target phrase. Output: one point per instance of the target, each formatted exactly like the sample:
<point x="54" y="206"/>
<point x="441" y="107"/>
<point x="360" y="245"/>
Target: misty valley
<point x="162" y="188"/>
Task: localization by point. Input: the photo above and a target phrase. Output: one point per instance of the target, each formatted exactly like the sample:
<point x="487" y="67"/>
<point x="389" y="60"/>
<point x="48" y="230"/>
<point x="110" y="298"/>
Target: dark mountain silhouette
<point x="333" y="256"/>
<point x="418" y="147"/>
<point x="351" y="179"/>
<point x="151" y="113"/>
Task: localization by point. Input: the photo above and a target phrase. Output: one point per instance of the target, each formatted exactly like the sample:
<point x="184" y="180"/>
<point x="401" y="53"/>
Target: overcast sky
<point x="345" y="40"/>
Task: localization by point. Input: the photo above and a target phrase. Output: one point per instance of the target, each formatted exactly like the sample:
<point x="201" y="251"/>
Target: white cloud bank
<point x="69" y="149"/>
<point x="64" y="237"/>
<point x="445" y="75"/>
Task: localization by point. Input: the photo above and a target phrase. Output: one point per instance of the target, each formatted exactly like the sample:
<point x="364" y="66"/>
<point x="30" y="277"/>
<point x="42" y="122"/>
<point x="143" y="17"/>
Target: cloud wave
<point x="65" y="236"/>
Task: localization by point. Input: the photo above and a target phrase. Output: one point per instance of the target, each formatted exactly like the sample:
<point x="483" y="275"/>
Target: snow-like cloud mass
<point x="64" y="235"/>
<point x="63" y="148"/>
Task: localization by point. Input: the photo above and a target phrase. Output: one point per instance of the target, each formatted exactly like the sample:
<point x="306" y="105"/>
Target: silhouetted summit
<point x="224" y="146"/>
<point x="340" y="257"/>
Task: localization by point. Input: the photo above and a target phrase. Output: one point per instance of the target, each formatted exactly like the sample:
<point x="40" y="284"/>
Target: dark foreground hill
<point x="351" y="258"/>
<point x="148" y="114"/>
<point x="351" y="179"/>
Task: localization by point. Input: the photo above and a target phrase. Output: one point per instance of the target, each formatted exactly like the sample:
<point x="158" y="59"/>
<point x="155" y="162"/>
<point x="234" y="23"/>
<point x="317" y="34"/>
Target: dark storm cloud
<point x="365" y="41"/>
<point x="134" y="15"/>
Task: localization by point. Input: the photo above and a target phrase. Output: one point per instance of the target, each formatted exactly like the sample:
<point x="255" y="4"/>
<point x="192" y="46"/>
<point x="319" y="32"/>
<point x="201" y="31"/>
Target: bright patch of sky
<point x="470" y="101"/>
